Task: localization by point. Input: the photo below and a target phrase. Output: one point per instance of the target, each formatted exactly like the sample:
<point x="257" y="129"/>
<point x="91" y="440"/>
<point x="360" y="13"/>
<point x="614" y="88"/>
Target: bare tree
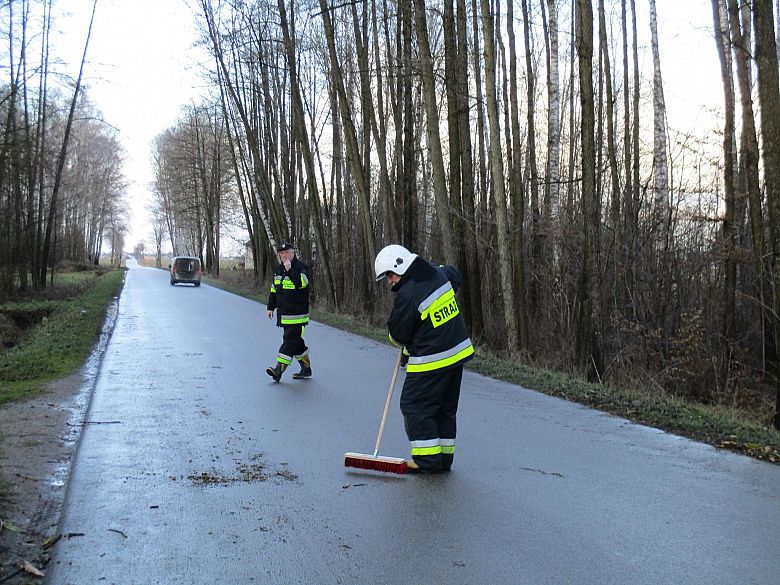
<point x="769" y="98"/>
<point x="499" y="189"/>
<point x="61" y="162"/>
<point x="588" y="340"/>
<point x="434" y="139"/>
<point x="723" y="42"/>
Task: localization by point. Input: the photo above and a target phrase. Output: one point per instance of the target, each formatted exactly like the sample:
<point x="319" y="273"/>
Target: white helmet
<point x="392" y="258"/>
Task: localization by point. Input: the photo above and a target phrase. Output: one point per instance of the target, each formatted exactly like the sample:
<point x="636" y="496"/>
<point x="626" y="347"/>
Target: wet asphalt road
<point x="195" y="468"/>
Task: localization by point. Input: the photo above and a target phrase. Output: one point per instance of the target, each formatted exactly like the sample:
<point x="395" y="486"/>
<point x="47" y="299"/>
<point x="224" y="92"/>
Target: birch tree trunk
<point x="660" y="157"/>
<point x="552" y="169"/>
<point x="497" y="167"/>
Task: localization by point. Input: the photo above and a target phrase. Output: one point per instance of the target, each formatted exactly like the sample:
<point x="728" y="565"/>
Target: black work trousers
<point x="293" y="345"/>
<point x="429" y="404"/>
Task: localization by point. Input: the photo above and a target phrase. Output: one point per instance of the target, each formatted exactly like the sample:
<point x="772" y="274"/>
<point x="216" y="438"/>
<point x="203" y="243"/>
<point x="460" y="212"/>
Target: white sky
<point x="142" y="68"/>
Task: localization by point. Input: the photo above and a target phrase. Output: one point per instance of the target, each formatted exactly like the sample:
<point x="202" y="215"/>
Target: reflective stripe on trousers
<point x="429" y="404"/>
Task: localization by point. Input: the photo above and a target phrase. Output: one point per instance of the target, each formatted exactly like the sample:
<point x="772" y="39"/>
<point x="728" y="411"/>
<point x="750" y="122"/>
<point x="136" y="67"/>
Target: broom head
<point x="387" y="464"/>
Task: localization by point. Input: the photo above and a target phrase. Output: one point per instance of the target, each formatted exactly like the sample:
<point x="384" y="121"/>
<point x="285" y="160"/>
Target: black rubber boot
<point x="305" y="369"/>
<point x="277" y="371"/>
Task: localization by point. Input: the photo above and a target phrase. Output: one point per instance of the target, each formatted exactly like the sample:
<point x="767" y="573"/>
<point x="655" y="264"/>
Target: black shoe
<point x="275" y="373"/>
<point x="304" y="373"/>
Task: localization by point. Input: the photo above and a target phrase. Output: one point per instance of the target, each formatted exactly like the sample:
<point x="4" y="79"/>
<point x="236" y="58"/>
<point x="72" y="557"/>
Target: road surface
<point x="194" y="467"/>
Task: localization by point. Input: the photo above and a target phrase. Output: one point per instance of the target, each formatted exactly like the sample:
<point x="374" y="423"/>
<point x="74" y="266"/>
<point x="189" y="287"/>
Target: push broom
<point x="376" y="462"/>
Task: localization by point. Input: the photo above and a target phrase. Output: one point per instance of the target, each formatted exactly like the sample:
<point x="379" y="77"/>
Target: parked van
<point x="185" y="269"/>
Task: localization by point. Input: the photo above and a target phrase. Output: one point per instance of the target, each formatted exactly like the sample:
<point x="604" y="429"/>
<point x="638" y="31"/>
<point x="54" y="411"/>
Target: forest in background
<point x="61" y="165"/>
<point x="516" y="140"/>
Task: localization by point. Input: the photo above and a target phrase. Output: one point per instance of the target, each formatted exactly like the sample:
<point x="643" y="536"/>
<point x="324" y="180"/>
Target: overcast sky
<point x="142" y="68"/>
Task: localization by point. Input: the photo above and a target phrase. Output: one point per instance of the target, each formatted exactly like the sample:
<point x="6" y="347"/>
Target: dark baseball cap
<point x="284" y="246"/>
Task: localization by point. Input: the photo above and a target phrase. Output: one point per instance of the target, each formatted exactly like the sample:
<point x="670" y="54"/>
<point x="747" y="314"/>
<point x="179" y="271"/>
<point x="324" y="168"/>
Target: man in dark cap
<point x="290" y="298"/>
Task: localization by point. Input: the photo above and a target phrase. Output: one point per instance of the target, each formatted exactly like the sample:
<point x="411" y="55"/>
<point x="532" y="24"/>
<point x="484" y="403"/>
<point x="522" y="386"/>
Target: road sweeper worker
<point x="290" y="298"/>
<point x="426" y="321"/>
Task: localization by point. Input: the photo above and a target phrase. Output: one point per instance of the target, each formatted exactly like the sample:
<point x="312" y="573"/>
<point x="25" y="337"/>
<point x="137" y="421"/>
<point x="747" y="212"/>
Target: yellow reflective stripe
<point x="277" y="279"/>
<point x="448" y="446"/>
<point x="393" y="341"/>
<point x="440" y="360"/>
<point x="284" y="359"/>
<point x="294" y="319"/>
<point x="429" y="300"/>
<point x="445" y="311"/>
<point x="273" y="289"/>
<point x="442" y="301"/>
<point x="287" y="283"/>
<point x="304" y="281"/>
<point x="426" y="447"/>
<point x="426" y="450"/>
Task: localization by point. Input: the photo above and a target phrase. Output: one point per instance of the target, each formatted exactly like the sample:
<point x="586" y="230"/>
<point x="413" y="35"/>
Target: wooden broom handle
<point x="389" y="399"/>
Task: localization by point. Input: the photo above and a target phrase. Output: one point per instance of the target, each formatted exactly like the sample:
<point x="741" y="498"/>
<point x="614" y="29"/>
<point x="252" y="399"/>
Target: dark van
<point x="185" y="269"/>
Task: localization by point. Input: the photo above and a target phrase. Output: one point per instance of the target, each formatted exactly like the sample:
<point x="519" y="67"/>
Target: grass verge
<point x="720" y="427"/>
<point x="62" y="339"/>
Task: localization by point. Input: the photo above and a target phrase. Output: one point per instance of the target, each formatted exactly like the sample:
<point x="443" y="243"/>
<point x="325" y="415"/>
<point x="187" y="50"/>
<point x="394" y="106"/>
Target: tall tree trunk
<point x="633" y="229"/>
<point x="748" y="183"/>
<point x="303" y="141"/>
<point x="769" y="99"/>
<point x="409" y="185"/>
<point x="465" y="153"/>
<point x="482" y="188"/>
<point x="434" y="138"/>
<point x="516" y="173"/>
<point x="537" y="228"/>
<point x="499" y="190"/>
<point x="552" y="168"/>
<point x="379" y="129"/>
<point x="614" y="179"/>
<point x="660" y="157"/>
<point x="723" y="42"/>
<point x="621" y="257"/>
<point x="353" y="151"/>
<point x="588" y="338"/>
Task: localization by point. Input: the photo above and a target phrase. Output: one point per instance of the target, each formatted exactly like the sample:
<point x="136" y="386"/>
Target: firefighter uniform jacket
<point x="427" y="321"/>
<point x="290" y="294"/>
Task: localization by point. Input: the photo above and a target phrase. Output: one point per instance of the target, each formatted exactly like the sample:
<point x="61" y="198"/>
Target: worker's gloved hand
<point x="404" y="358"/>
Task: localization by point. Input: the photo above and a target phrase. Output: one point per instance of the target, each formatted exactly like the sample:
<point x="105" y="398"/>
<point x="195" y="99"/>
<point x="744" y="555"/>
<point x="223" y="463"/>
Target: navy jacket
<point x="426" y="319"/>
<point x="290" y="294"/>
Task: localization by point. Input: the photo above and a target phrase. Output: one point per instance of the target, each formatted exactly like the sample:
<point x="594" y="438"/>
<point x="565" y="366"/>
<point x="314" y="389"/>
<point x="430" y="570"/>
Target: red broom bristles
<point x="386" y="464"/>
